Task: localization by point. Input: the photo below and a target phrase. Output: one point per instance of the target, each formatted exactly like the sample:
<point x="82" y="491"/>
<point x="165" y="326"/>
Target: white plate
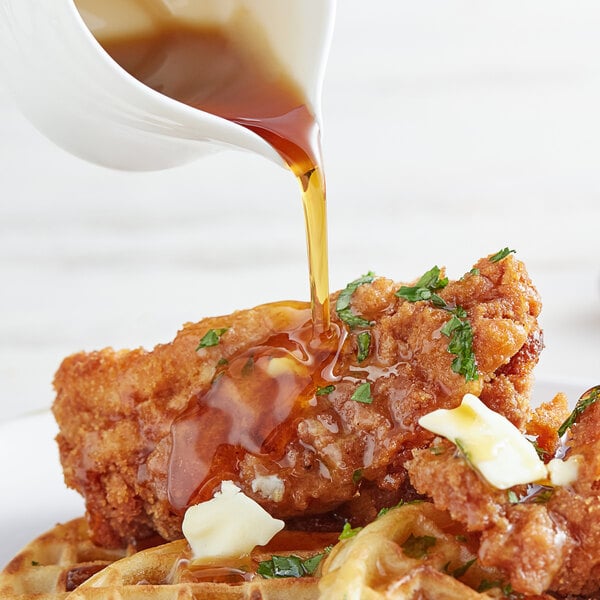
<point x="33" y="496"/>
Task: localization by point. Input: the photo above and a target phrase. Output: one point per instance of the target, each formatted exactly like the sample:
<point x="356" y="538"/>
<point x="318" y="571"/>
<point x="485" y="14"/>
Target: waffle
<point x="414" y="552"/>
<point x="64" y="564"/>
<point x="54" y="564"/>
<point x="378" y="563"/>
<point x="165" y="573"/>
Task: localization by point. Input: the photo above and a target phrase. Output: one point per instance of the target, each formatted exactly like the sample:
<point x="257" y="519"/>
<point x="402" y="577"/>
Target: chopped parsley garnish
<point x="458" y="328"/>
<point x="486" y="584"/>
<point x="506" y="588"/>
<point x="501" y="254"/>
<point x="460" y="571"/>
<point x="343" y="307"/>
<point x="363" y="393"/>
<point x="463" y="451"/>
<point x="248" y="368"/>
<point x="363" y="340"/>
<point x="542" y="496"/>
<point x="386" y="509"/>
<point x="425" y="288"/>
<point x="310" y="565"/>
<point x="418" y="546"/>
<point x="289" y="566"/>
<point x="211" y="338"/>
<point x="540" y="451"/>
<point x="357" y="476"/>
<point x="460" y="332"/>
<point x="512" y="497"/>
<point x="323" y="391"/>
<point x="348" y="531"/>
<point x="590" y="397"/>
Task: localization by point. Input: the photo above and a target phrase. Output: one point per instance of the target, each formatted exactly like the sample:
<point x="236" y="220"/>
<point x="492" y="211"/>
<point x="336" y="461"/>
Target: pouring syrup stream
<point x="211" y="69"/>
<point x="254" y="401"/>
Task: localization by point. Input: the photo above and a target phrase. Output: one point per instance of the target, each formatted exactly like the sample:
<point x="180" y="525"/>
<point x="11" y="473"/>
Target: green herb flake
<point x="590" y="397"/>
<point x="460" y="571"/>
<point x="508" y="592"/>
<point x="290" y="566"/>
<point x="363" y="340"/>
<point x="418" y="546"/>
<point x="265" y="569"/>
<point x="465" y="454"/>
<point x="505" y="588"/>
<point x="486" y="585"/>
<point x="458" y="328"/>
<point x="460" y="538"/>
<point x="211" y="338"/>
<point x="348" y="531"/>
<point x="501" y="254"/>
<point x="363" y="393"/>
<point x="281" y="566"/>
<point x="357" y="476"/>
<point x="343" y="308"/>
<point x="386" y="510"/>
<point x="460" y="332"/>
<point x="248" y="368"/>
<point x="512" y="497"/>
<point x="425" y="288"/>
<point x="542" y="496"/>
<point x="474" y="271"/>
<point x="437" y="450"/>
<point x="323" y="391"/>
<point x="540" y="451"/>
<point x="310" y="565"/>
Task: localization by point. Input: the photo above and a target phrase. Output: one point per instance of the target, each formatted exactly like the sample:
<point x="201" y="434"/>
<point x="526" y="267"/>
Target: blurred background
<point x="451" y="129"/>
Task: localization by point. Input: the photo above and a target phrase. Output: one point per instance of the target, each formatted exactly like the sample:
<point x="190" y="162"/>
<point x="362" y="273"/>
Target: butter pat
<point x="491" y="443"/>
<point x="283" y="365"/>
<point x="564" y="472"/>
<point x="229" y="525"/>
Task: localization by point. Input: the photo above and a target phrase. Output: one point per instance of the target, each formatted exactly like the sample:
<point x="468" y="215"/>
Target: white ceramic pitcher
<point x="75" y="94"/>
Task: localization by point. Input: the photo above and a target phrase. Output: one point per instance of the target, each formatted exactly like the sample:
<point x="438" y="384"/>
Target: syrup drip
<point x="251" y="407"/>
<point x="220" y="73"/>
<point x="255" y="402"/>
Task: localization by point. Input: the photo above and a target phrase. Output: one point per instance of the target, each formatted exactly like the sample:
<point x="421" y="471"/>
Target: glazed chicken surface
<point x="316" y="428"/>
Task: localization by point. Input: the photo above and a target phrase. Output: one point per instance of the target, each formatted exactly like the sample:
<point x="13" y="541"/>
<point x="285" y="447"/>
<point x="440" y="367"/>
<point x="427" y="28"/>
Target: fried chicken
<point x="542" y="539"/>
<point x="306" y="425"/>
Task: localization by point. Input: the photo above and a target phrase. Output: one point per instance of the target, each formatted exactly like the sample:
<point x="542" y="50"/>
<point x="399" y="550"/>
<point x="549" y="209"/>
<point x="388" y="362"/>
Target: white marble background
<point x="453" y="128"/>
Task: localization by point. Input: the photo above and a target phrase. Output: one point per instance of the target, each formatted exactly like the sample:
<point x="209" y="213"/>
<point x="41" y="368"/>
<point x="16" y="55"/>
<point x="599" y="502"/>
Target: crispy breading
<point x="116" y="409"/>
<point x="544" y="542"/>
<point x="545" y="421"/>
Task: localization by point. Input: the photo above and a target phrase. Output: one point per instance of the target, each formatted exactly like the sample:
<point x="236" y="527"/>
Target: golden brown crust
<point x="544" y="543"/>
<point x="64" y="564"/>
<point x="51" y="566"/>
<point x="545" y="422"/>
<point x="115" y="409"/>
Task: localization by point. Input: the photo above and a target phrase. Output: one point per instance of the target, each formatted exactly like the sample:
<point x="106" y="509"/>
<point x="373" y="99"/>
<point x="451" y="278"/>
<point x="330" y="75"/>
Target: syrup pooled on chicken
<point x="316" y="428"/>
